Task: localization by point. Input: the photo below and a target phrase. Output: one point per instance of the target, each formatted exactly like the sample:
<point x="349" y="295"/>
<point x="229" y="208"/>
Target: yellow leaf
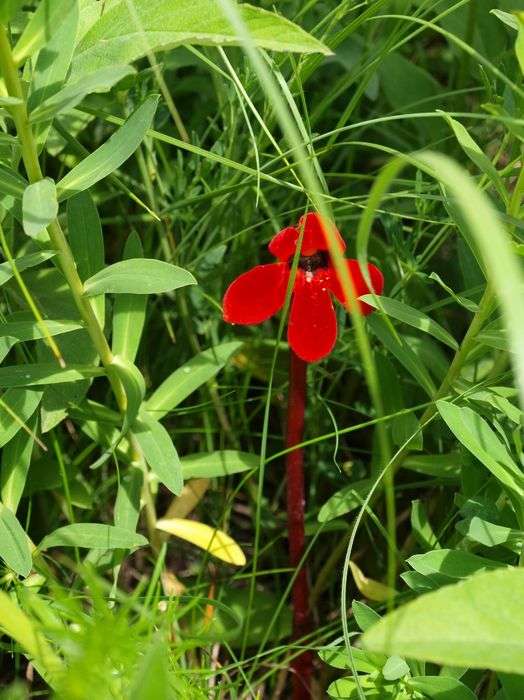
<point x="191" y="494"/>
<point x="374" y="590"/>
<point x="213" y="541"/>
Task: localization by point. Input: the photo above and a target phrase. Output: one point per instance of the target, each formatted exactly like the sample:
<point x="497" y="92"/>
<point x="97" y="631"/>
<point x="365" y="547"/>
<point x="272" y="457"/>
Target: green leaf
<point x="509" y="19"/>
<point x="127" y="504"/>
<point x="16" y="407"/>
<point x="159" y="452"/>
<point x="138" y="276"/>
<point x="14" y="545"/>
<point x="129" y="310"/>
<point x="413" y="317"/>
<point x="23" y="263"/>
<point x="189" y="377"/>
<point x="85" y="234"/>
<point x="519" y="44"/>
<point x="365" y="617"/>
<point x="48" y="16"/>
<point x="39" y="206"/>
<point x="8" y="9"/>
<point x="490" y="534"/>
<point x="477" y="437"/>
<point x="73" y="93"/>
<point x="93" y="536"/>
<point x="477" y="623"/>
<point x="45" y="373"/>
<point x="345" y="500"/>
<point x="11" y="183"/>
<point x="16" y="459"/>
<point x="209" y="465"/>
<point x="110" y="156"/>
<point x="338" y="657"/>
<point x="123" y="36"/>
<point x="395" y="668"/>
<point x="476" y="155"/>
<point x="23" y="331"/>
<point x="87" y="242"/>
<point x="440" y="688"/>
<point x="52" y="66"/>
<point x="399" y="348"/>
<point x="152" y="681"/>
<point x="449" y="565"/>
<point x="462" y="301"/>
<point x="421" y="527"/>
<point x="134" y="387"/>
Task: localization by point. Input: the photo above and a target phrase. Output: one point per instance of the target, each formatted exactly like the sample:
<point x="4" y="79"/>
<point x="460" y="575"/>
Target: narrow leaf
<point x="209" y="465"/>
<point x="14" y="545"/>
<point x="38" y="374"/>
<point x="73" y="93"/>
<point x="129" y="310"/>
<point x="138" y="276"/>
<point x="411" y="316"/>
<point x="93" y="536"/>
<point x="159" y="452"/>
<point x="189" y="377"/>
<point x="110" y="156"/>
<point x="16" y="458"/>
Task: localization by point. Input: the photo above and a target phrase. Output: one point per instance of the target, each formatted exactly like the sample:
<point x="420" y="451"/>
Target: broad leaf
<point x="39" y="206"/>
<point x="14" y="545"/>
<point x="345" y="500"/>
<point x="11" y="183"/>
<point x="477" y="623"/>
<point x="122" y="36"/>
<point x="134" y="387"/>
<point x="92" y="536"/>
<point x="189" y="377"/>
<point x="138" y="276"/>
<point x="440" y="688"/>
<point x="110" y="156"/>
<point x="449" y="565"/>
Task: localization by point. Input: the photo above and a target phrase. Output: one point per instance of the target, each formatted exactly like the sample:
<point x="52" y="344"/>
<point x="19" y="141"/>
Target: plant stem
<point x="58" y="239"/>
<point x="302" y="665"/>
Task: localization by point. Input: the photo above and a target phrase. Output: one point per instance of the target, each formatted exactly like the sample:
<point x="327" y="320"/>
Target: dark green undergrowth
<point x="148" y="153"/>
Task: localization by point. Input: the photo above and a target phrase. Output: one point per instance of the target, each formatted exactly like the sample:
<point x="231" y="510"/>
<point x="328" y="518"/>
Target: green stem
<point x="58" y="240"/>
<point x="65" y="257"/>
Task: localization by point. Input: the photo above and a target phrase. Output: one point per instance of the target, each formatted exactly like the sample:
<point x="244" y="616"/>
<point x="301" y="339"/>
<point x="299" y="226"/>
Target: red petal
<point x="284" y="243"/>
<point x="314" y="234"/>
<point x="359" y="284"/>
<point x="257" y="294"/>
<point x="312" y="329"/>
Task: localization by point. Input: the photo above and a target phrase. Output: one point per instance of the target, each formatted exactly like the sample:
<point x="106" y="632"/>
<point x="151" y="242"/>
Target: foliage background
<point x="207" y="195"/>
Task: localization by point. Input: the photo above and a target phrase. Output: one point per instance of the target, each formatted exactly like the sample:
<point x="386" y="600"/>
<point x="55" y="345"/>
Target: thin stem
<point x="58" y="239"/>
<point x="65" y="258"/>
<point x="302" y="664"/>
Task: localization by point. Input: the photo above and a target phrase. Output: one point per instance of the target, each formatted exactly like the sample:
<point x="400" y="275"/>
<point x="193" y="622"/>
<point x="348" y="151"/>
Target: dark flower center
<point x="310" y="263"/>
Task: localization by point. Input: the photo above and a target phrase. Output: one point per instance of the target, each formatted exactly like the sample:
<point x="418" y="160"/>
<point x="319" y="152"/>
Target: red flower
<point x="259" y="293"/>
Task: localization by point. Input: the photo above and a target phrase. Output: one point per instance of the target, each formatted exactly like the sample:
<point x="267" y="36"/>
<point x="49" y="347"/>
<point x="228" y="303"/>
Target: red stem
<point x="302" y="665"/>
